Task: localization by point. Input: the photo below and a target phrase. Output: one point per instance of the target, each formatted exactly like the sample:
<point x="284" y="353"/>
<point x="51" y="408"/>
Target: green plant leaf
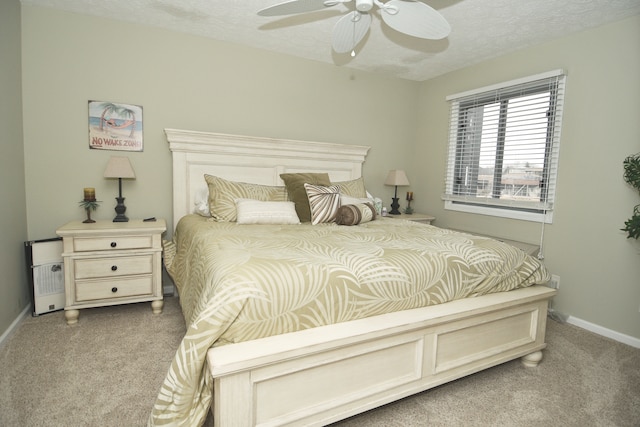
<point x="632" y="225"/>
<point x="632" y="176"/>
<point x="632" y="171"/>
<point x="86" y="204"/>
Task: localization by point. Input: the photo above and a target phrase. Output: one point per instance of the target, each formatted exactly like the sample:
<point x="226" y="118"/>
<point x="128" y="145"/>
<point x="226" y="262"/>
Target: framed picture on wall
<point x="115" y="126"/>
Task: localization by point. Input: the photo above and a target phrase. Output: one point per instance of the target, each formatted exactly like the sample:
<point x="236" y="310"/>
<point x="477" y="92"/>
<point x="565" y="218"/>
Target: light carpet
<point x="107" y="370"/>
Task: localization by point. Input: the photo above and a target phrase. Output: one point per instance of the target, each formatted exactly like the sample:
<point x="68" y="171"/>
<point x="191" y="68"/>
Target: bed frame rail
<point x="321" y="375"/>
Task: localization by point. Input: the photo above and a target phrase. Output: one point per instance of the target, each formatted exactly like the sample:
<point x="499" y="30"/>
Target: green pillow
<point x="294" y="182"/>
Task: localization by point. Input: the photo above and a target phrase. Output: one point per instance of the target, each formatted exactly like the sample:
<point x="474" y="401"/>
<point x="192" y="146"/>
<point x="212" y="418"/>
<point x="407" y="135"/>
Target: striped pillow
<point x="323" y="202"/>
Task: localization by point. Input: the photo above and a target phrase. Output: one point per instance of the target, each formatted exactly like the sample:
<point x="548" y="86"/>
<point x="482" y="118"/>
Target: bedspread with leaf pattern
<point x="242" y="282"/>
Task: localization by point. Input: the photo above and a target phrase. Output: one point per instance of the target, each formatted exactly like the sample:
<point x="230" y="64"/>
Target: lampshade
<point x="119" y="167"/>
<point x="396" y="177"/>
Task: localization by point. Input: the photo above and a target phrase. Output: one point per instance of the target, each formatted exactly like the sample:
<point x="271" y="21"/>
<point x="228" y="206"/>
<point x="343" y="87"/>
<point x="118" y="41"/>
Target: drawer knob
<point x="114" y="267"/>
<point x="114" y="244"/>
<point x="114" y="289"/>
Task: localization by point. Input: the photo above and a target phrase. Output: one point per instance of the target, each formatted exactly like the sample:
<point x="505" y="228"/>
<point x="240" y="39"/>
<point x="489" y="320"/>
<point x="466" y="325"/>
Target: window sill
<point x="499" y="212"/>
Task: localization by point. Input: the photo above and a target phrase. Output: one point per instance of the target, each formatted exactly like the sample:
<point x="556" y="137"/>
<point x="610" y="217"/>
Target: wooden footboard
<point x="321" y="375"/>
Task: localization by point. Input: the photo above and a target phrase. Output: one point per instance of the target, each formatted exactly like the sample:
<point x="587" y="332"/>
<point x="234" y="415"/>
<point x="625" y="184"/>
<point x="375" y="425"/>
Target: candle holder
<point x="89" y="205"/>
<point x="409" y="209"/>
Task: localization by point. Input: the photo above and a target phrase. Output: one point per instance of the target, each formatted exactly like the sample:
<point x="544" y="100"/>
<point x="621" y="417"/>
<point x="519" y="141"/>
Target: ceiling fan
<point x="410" y="17"/>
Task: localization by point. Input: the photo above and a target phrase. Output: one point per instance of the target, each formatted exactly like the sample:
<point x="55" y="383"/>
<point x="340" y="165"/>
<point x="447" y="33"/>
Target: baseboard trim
<point x="592" y="327"/>
<point x="15" y="324"/>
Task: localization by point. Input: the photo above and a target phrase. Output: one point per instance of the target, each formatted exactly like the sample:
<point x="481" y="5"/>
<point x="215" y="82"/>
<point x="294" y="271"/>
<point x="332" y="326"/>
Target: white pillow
<point x="201" y="202"/>
<point x="266" y="212"/>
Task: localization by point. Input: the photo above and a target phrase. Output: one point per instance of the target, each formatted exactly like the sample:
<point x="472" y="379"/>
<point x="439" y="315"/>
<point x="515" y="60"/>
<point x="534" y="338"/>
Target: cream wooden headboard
<point x="251" y="159"/>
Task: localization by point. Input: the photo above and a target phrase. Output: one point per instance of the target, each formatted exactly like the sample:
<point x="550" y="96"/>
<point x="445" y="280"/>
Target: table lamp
<point x="396" y="178"/>
<point x="119" y="167"/>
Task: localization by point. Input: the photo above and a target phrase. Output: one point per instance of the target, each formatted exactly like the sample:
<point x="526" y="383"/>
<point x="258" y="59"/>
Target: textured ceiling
<point x="481" y="29"/>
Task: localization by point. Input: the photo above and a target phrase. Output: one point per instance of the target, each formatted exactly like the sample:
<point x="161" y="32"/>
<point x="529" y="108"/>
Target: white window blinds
<point x="504" y="144"/>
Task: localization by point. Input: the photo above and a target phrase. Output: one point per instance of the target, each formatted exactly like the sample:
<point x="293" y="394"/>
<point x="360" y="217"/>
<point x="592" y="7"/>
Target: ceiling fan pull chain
<point x="354" y="19"/>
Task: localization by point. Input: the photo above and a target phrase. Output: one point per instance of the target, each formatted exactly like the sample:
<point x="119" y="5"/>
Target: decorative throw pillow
<point x="323" y="202"/>
<point x="261" y="212"/>
<point x="353" y="188"/>
<point x="201" y="202"/>
<point x="223" y="195"/>
<point x="348" y="200"/>
<point x="295" y="187"/>
<point x="355" y="214"/>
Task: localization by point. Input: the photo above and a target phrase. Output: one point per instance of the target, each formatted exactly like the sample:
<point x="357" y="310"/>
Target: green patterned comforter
<point x="242" y="282"/>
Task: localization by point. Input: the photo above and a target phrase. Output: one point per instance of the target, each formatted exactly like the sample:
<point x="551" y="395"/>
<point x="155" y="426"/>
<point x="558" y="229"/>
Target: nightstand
<point x="416" y="217"/>
<point x="109" y="263"/>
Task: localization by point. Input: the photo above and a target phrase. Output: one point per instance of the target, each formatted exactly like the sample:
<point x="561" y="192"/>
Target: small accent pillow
<point x="201" y="202"/>
<point x="355" y="214"/>
<point x="323" y="202"/>
<point x="261" y="212"/>
<point x="295" y="187"/>
<point x="223" y="195"/>
<point x="353" y="188"/>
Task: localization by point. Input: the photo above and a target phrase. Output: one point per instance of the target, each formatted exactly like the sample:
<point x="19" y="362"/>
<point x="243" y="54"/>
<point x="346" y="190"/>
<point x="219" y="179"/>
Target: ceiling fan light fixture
<point x="364" y="5"/>
<point x="413" y="18"/>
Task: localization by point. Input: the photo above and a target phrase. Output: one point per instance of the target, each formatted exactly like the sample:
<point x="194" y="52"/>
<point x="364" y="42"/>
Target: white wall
<point x="598" y="266"/>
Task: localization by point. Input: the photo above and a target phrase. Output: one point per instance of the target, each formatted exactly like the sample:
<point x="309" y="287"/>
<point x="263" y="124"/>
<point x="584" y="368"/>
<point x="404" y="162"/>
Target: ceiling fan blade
<point x="415" y="19"/>
<point x="298" y="6"/>
<point x="349" y="31"/>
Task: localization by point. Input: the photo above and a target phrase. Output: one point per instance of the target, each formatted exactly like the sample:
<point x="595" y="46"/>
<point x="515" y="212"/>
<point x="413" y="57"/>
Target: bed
<point x="307" y="324"/>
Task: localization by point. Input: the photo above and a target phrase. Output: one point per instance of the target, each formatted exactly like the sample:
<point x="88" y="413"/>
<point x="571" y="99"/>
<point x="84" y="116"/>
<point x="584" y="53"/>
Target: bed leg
<point x="156" y="306"/>
<point x="532" y="360"/>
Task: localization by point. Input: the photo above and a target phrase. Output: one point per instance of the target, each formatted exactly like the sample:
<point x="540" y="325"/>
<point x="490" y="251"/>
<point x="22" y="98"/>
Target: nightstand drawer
<point x="87" y="290"/>
<point x="81" y="244"/>
<point x="113" y="266"/>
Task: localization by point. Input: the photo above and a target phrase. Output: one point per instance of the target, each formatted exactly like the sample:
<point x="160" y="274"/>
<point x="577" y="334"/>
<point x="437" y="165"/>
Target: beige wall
<point x="195" y="83"/>
<point x="182" y="82"/>
<point x="599" y="268"/>
<point x="13" y="222"/>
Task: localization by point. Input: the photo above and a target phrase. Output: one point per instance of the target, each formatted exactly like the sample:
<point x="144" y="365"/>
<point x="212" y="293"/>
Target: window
<point x="504" y="142"/>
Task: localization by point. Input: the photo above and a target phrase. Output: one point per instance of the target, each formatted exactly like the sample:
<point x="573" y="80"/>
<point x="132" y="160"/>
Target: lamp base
<point x="395" y="207"/>
<point x="120" y="210"/>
